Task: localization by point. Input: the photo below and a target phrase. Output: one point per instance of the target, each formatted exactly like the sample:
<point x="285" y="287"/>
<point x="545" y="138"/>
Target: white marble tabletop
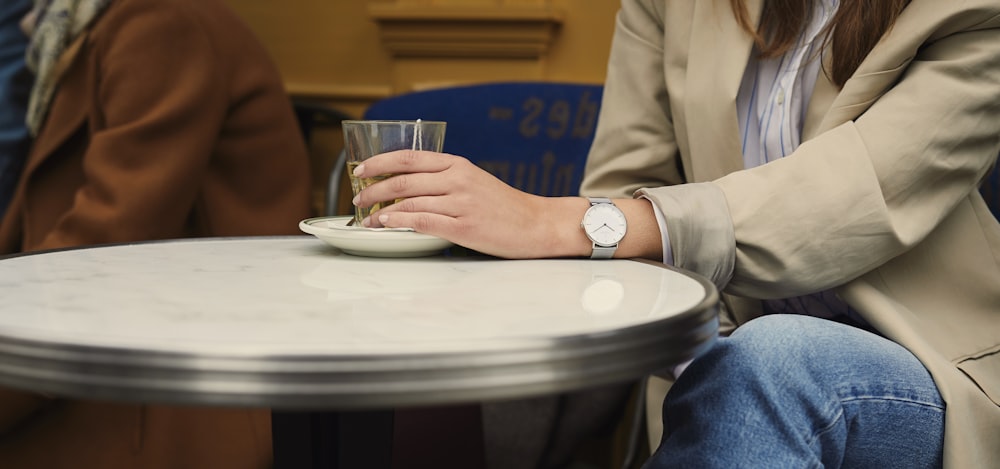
<point x="292" y="322"/>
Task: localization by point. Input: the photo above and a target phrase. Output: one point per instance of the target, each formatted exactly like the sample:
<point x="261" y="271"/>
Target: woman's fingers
<point x="442" y="226"/>
<point x="401" y="186"/>
<point x="412" y="178"/>
<point x="440" y="205"/>
<point x="410" y="170"/>
<point x="449" y="197"/>
<point x="405" y="161"/>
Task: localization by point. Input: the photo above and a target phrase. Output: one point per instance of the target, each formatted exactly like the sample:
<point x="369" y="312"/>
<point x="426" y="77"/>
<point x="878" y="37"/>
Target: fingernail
<point x="356" y="199"/>
<point x="366" y="222"/>
<point x="383" y="218"/>
<point x="359" y="169"/>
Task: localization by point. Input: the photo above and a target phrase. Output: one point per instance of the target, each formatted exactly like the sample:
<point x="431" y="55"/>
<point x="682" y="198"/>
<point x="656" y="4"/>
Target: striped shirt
<point x="772" y="105"/>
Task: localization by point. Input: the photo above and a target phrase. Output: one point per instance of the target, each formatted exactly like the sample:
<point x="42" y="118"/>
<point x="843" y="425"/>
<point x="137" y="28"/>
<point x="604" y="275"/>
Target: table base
<point x="328" y="440"/>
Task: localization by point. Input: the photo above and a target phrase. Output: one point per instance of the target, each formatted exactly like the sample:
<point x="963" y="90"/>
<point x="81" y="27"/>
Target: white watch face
<point x="604" y="224"/>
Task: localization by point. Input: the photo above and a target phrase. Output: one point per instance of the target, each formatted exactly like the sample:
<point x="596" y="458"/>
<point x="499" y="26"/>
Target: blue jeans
<point x="802" y="392"/>
<point x="15" y="87"/>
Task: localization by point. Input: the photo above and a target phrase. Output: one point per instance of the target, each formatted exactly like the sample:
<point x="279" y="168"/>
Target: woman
<point x="818" y="161"/>
<point x="153" y="119"/>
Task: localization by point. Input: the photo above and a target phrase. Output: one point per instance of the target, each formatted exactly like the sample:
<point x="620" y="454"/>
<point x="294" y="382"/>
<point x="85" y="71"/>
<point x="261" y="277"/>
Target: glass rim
<point x="389" y="121"/>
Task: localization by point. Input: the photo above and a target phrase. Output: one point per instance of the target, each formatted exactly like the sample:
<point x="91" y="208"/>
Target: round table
<point x="293" y="324"/>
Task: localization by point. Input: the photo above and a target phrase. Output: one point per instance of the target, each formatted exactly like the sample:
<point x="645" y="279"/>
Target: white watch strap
<point x="601" y="252"/>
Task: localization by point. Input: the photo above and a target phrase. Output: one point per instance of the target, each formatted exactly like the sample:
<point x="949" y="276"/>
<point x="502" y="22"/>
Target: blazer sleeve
<point x="871" y="189"/>
<point x="866" y="191"/>
<point x="634" y="143"/>
<point x="162" y="100"/>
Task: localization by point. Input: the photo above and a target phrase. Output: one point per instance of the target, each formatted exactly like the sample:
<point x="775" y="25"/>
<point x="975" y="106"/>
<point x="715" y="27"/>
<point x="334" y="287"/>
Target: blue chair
<point x="532" y="135"/>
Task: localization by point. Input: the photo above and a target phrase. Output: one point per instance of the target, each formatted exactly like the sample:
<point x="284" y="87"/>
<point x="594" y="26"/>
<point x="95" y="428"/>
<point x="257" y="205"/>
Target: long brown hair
<point x="853" y="32"/>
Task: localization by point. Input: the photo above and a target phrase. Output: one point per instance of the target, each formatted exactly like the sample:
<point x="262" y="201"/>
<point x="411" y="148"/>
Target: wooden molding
<point x="498" y="31"/>
<point x="339" y="92"/>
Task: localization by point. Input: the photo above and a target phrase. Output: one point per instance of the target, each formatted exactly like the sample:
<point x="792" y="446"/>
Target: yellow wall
<point x="333" y="50"/>
<point x="350" y="53"/>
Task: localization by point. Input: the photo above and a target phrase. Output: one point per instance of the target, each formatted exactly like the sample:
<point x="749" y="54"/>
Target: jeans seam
<point x="833" y="419"/>
<point x="894" y="399"/>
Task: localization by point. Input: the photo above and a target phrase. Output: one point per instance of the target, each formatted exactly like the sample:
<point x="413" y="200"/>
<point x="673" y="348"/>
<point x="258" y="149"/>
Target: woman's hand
<point x="449" y="197"/>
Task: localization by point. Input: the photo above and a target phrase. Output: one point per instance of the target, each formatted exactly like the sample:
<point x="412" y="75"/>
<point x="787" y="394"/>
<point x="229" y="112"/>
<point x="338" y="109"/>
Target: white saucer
<point x="372" y="242"/>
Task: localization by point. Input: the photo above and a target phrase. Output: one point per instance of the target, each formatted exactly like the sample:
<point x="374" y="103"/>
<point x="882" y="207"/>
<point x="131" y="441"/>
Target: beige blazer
<point x="879" y="202"/>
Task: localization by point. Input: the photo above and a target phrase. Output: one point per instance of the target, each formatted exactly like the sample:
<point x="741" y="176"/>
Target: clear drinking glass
<point x="366" y="138"/>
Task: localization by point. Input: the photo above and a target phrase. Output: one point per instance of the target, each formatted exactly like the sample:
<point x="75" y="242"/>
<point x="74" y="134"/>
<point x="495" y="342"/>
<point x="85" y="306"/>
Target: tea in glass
<point x="366" y="138"/>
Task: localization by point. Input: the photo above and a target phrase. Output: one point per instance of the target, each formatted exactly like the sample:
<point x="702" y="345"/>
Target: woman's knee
<point x="775" y="345"/>
<point x="817" y="350"/>
<point x="774" y="340"/>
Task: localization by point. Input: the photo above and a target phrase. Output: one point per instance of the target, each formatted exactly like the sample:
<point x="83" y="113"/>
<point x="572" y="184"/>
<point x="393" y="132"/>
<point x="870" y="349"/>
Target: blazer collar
<point x="824" y="94"/>
<point x="720" y="49"/>
<point x="878" y="72"/>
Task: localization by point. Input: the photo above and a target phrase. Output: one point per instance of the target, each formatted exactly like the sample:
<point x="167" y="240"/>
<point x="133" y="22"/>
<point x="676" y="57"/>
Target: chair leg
<point x="333" y="184"/>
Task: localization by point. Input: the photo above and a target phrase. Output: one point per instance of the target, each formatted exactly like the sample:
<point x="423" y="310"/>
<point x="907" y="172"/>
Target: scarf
<point x="57" y="24"/>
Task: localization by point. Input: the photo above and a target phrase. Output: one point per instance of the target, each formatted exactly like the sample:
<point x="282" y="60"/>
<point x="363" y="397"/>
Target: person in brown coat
<point x="153" y="119"/>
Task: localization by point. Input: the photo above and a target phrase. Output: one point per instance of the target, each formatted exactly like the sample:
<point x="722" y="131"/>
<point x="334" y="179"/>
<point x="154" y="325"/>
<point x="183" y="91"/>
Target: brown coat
<point x="169" y="121"/>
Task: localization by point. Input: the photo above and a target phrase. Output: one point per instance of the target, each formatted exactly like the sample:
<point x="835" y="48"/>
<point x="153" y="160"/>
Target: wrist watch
<point x="604" y="224"/>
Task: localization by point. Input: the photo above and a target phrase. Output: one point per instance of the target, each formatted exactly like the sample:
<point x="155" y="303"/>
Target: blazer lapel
<point x="823" y="96"/>
<point x="879" y="71"/>
<point x="719" y="53"/>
